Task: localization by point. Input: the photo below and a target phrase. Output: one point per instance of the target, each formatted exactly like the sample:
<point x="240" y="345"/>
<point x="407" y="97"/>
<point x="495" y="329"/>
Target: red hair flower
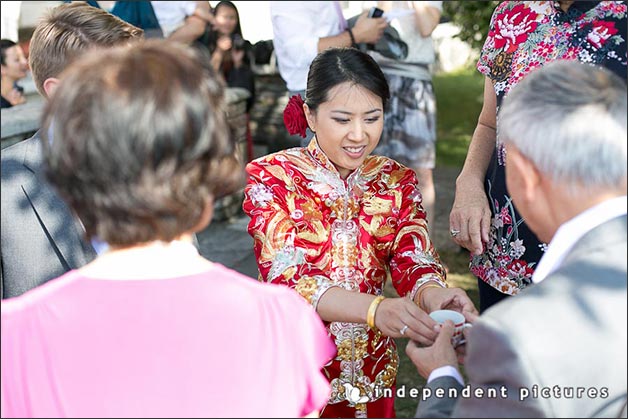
<point x="294" y="116"/>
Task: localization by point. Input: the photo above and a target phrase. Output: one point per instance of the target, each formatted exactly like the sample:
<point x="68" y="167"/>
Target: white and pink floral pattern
<point x="525" y="35"/>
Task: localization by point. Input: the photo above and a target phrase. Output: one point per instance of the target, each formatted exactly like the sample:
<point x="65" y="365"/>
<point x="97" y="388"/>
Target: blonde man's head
<point x="65" y="32"/>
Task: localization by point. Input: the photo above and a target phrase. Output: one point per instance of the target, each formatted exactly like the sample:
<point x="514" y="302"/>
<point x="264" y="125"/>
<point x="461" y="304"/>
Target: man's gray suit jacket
<point x="41" y="240"/>
<point x="566" y="334"/>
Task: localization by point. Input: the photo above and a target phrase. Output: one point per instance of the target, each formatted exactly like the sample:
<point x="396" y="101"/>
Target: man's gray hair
<point x="569" y="119"/>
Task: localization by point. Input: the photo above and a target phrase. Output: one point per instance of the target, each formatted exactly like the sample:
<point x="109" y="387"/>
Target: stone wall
<point x="267" y="127"/>
<point x="231" y="205"/>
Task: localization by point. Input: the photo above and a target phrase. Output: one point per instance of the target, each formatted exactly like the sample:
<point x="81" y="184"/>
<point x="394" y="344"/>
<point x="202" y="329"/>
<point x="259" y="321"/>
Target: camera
<point x="237" y="42"/>
<point x="375" y="12"/>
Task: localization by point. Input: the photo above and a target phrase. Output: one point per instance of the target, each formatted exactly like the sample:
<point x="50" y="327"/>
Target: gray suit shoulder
<point x="439" y="407"/>
<point x="17" y="151"/>
<point x="15" y="157"/>
<point x="15" y="170"/>
<point x="38" y="233"/>
<point x="565" y="332"/>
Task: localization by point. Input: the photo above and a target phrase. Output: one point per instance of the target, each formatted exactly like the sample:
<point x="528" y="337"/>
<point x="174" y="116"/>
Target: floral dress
<point x="313" y="230"/>
<point x="525" y="35"/>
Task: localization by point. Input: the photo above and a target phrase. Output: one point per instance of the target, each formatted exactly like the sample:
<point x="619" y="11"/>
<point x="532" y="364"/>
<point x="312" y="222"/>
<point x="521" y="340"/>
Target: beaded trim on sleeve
<point x="430" y="278"/>
<point x="312" y="288"/>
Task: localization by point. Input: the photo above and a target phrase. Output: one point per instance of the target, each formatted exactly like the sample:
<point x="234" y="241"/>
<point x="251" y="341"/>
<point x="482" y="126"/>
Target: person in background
<point x="181" y="21"/>
<point x="230" y="52"/>
<point x="523" y="36"/>
<point x="304" y="29"/>
<point x="40" y="237"/>
<point x="14" y="68"/>
<point x="410" y="125"/>
<point x="334" y="222"/>
<point x="10" y="20"/>
<point x="176" y="335"/>
<point x="554" y="351"/>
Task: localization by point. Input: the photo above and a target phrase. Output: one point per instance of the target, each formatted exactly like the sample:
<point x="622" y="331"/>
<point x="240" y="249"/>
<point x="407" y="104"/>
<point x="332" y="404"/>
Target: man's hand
<point x="441" y="353"/>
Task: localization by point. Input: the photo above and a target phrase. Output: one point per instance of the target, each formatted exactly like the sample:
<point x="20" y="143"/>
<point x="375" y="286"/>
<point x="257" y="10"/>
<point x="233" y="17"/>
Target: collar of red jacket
<point x="320" y="156"/>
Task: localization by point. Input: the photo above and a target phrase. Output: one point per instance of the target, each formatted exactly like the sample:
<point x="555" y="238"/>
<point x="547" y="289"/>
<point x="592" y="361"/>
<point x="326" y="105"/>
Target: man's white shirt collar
<point x="573" y="230"/>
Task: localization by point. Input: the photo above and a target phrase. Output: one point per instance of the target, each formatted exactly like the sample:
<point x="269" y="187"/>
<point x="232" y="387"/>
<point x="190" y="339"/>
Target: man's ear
<point x="50" y="85"/>
<point x="524" y="177"/>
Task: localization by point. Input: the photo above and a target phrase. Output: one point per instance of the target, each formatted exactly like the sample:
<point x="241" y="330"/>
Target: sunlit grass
<point x="458" y="102"/>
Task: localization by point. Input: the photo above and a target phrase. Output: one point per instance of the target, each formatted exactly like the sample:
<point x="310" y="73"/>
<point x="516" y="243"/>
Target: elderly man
<point x="558" y="350"/>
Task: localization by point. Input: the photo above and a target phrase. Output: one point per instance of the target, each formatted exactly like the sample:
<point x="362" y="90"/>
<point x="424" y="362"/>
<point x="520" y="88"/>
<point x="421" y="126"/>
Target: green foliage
<point x="472" y="17"/>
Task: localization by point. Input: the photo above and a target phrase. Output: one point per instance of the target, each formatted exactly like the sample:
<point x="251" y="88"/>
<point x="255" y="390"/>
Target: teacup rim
<point x="458" y="324"/>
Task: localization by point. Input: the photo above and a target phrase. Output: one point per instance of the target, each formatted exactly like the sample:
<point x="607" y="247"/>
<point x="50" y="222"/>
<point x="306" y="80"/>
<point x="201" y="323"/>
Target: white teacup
<point x="457" y="319"/>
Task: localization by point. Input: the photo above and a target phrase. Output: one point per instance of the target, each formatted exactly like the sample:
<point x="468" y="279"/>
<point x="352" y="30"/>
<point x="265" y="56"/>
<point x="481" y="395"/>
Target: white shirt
<point x="297" y="27"/>
<point x="420" y="49"/>
<point x="572" y="231"/>
<point x="446" y="371"/>
<point x="171" y="14"/>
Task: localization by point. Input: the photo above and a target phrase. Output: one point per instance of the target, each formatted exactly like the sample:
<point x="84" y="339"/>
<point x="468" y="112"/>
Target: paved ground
<point x="228" y="242"/>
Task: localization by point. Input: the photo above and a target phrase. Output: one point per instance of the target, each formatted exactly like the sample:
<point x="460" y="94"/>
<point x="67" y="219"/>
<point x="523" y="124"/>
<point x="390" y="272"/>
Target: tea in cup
<point x="457" y="319"/>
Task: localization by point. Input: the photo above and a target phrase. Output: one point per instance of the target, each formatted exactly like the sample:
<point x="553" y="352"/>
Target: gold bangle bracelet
<point x="419" y="294"/>
<point x="370" y="314"/>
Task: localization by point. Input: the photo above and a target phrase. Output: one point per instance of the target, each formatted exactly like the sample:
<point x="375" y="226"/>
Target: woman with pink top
<point x="150" y="328"/>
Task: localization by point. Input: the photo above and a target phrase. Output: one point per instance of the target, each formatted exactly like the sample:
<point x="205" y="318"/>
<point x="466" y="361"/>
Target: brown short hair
<point x="141" y="142"/>
<point x="66" y="31"/>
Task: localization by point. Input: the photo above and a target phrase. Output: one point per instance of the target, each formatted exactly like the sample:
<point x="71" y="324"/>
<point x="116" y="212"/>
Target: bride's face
<point x="348" y="125"/>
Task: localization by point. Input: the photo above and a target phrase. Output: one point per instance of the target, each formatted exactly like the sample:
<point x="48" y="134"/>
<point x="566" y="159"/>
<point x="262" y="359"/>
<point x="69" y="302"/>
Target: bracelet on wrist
<point x="370" y="314"/>
<point x="353" y="44"/>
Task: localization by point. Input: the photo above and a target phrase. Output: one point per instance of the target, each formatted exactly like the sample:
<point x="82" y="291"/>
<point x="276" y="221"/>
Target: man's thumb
<point x="446" y="332"/>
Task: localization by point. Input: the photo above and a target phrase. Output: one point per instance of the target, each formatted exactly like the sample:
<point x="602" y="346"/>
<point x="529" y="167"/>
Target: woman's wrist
<point x="469" y="178"/>
<point x="420" y="299"/>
